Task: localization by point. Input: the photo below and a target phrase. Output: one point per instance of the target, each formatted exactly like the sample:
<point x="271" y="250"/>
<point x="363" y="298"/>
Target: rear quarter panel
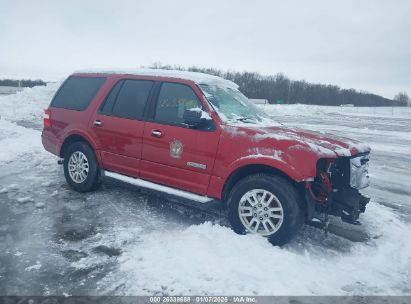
<point x="65" y="122"/>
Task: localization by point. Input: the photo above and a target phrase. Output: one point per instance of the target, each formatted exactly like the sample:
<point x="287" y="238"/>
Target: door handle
<point x="156" y="133"/>
<point x="98" y="123"/>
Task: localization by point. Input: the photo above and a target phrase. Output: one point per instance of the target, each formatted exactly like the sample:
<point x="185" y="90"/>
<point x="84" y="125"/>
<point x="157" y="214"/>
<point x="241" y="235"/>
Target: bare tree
<point x="403" y="99"/>
<point x="278" y="87"/>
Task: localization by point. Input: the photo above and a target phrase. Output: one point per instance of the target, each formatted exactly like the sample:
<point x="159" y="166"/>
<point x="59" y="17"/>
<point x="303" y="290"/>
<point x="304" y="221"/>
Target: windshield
<point x="231" y="105"/>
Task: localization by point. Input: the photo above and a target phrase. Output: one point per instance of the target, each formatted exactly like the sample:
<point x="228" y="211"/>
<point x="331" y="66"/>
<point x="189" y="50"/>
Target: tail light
<point x="46" y="118"/>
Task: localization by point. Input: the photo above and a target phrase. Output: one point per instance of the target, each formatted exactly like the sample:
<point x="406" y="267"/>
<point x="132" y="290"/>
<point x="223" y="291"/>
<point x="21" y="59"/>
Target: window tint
<point x="108" y="104"/>
<point x="132" y="99"/>
<point x="173" y="100"/>
<point x="77" y="92"/>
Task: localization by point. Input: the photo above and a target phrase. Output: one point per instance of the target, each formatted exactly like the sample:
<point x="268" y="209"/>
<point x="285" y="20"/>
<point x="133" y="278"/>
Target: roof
<point x="198" y="78"/>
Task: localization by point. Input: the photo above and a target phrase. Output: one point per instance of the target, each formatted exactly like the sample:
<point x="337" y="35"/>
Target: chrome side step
<point x="157" y="187"/>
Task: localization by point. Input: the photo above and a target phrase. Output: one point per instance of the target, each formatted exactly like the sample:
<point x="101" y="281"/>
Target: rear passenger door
<point x="118" y="126"/>
<point x="174" y="154"/>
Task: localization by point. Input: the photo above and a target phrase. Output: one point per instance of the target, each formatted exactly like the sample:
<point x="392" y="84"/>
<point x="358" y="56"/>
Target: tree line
<point x="25" y="83"/>
<point x="279" y="88"/>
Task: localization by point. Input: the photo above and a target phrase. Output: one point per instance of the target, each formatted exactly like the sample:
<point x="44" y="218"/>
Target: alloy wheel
<point x="261" y="212"/>
<point x="78" y="167"/>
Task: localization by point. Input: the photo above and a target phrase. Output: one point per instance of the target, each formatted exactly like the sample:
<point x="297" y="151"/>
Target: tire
<point x="81" y="180"/>
<point x="283" y="211"/>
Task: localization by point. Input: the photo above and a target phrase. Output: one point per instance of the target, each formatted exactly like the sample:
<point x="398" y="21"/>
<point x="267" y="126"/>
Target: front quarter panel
<point x="241" y="146"/>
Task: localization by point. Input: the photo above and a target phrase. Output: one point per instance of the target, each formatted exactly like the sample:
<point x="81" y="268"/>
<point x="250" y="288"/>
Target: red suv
<point x="197" y="138"/>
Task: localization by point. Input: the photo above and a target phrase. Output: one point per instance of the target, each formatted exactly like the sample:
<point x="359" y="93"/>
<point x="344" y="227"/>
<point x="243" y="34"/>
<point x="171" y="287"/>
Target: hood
<point x="323" y="144"/>
<point x="341" y="146"/>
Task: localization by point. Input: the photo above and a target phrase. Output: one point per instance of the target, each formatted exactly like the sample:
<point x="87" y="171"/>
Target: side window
<point x="77" y="92"/>
<point x="173" y="100"/>
<point x="108" y="104"/>
<point x="132" y="98"/>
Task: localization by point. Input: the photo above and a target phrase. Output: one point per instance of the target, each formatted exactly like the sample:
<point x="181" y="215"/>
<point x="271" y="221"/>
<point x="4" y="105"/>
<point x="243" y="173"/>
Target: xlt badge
<point x="196" y="165"/>
<point x="176" y="148"/>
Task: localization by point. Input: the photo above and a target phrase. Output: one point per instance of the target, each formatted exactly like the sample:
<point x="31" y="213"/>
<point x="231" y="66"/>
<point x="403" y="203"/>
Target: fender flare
<point x="86" y="137"/>
<point x="268" y="161"/>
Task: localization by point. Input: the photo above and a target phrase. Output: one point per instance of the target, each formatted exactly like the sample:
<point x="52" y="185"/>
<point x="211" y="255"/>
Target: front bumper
<point x="348" y="204"/>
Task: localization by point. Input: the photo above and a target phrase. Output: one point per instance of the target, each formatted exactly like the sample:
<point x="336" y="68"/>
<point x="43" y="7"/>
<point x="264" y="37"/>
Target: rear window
<point x="76" y="92"/>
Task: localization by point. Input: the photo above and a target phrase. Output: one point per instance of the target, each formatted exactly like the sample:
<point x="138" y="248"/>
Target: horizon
<point x="185" y="69"/>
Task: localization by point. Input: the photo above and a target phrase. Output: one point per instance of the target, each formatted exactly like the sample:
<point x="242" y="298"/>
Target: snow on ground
<point x="27" y="105"/>
<point x="120" y="241"/>
<point x="17" y="140"/>
<point x="306" y="110"/>
<point x="211" y="259"/>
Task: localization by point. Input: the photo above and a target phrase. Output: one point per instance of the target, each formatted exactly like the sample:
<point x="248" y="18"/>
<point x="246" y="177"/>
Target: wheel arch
<point x="77" y="137"/>
<point x="250" y="169"/>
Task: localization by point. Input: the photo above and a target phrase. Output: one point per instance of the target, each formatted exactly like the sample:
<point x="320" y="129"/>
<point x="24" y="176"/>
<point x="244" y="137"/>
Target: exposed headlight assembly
<point x="359" y="178"/>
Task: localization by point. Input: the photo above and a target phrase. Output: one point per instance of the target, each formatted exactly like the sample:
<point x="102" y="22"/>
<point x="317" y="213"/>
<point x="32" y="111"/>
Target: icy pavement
<point x="120" y="241"/>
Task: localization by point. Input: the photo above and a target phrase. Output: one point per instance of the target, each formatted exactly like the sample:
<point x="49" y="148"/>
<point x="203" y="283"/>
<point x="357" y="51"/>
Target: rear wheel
<point x="81" y="167"/>
<point x="266" y="205"/>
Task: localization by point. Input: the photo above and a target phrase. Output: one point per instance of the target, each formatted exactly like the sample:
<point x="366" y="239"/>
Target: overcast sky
<point x="364" y="45"/>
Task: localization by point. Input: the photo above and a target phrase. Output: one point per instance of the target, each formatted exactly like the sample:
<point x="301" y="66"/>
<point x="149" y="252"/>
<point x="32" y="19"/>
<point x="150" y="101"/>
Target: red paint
<point x="129" y="147"/>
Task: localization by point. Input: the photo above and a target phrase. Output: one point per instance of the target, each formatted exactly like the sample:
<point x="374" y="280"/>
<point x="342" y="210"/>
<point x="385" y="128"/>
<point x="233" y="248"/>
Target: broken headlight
<point x="359" y="178"/>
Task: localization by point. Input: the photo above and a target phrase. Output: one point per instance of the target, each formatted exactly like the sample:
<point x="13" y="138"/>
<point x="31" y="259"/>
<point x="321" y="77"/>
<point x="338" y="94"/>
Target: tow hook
<point x="60" y="161"/>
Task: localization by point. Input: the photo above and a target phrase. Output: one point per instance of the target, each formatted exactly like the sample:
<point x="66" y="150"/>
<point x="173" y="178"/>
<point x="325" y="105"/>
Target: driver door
<point x="174" y="154"/>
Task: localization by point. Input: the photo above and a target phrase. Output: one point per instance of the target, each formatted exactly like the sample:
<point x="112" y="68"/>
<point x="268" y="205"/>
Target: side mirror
<point x="192" y="117"/>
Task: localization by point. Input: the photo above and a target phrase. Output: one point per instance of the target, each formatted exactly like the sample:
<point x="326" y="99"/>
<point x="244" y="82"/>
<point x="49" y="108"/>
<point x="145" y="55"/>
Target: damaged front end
<point x="335" y="190"/>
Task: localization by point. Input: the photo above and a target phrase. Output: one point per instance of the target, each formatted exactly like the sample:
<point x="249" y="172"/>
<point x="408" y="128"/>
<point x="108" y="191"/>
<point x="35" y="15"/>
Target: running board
<point x="157" y="187"/>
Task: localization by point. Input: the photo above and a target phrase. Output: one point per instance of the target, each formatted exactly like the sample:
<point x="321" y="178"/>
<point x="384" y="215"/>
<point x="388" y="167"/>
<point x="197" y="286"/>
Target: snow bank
<point x="213" y="260"/>
<point x="16" y="141"/>
<point x="24" y="106"/>
<point x="27" y="105"/>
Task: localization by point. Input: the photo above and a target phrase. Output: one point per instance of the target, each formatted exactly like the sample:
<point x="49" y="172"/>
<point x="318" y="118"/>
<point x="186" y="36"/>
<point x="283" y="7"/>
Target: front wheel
<point x="266" y="205"/>
<point x="81" y="168"/>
